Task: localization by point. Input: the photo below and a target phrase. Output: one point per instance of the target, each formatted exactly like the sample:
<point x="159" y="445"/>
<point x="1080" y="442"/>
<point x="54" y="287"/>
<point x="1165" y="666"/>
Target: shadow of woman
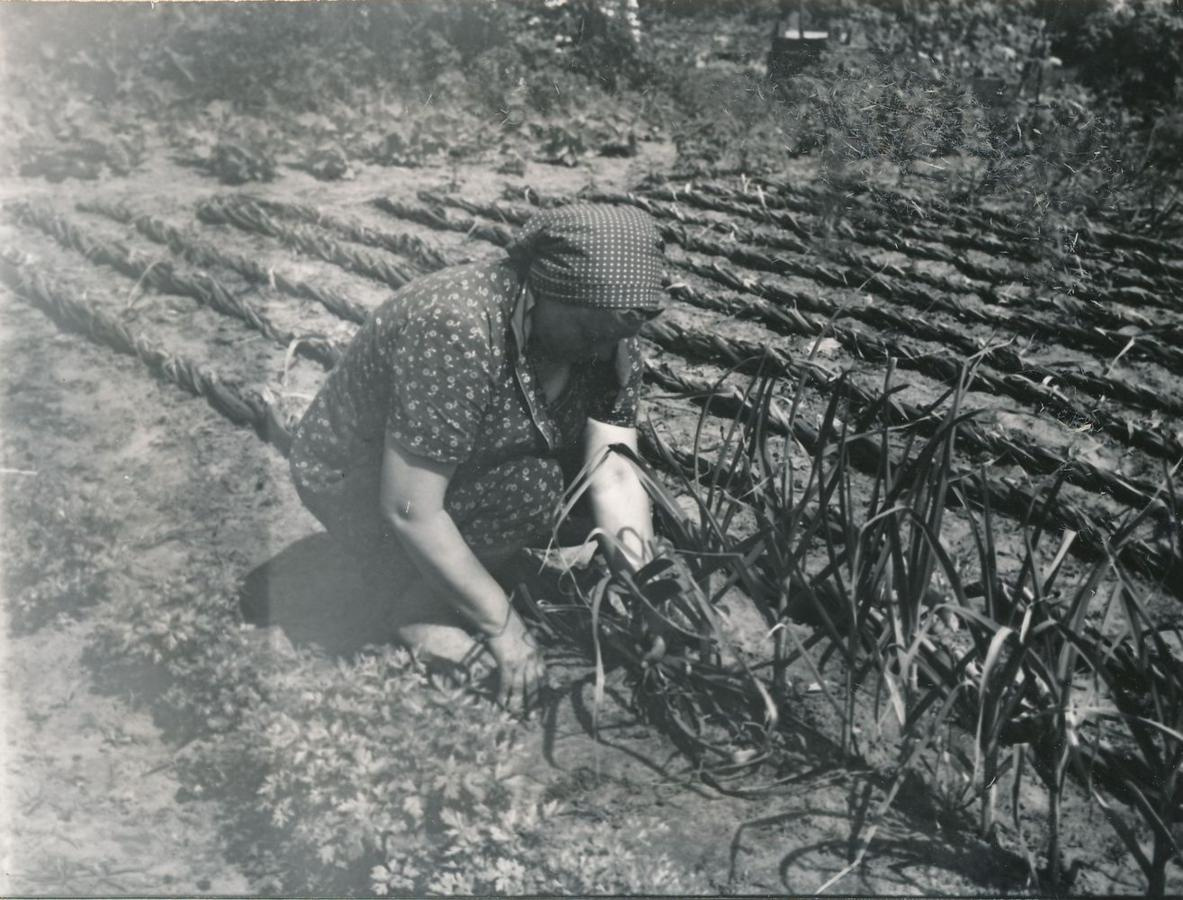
<point x="314" y="593"/>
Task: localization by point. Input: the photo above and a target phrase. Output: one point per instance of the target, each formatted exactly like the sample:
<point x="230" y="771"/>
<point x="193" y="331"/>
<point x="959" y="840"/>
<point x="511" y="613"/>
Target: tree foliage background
<point x="1076" y="108"/>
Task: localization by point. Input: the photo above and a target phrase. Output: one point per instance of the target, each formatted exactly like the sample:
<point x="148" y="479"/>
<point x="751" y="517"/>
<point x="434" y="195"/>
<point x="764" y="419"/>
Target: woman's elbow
<point x="400" y="515"/>
<point x="613" y="475"/>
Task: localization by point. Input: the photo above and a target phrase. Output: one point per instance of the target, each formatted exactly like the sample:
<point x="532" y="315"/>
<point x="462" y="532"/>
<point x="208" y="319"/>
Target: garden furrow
<point x="954" y="230"/>
<point x="756" y="205"/>
<point x="1109" y="341"/>
<point x="439" y="219"/>
<point x="1116" y="282"/>
<point x="748" y="355"/>
<point x="421" y="253"/>
<point x="934" y="247"/>
<point x="247" y="216"/>
<point x="205" y="254"/>
<point x="1118" y="288"/>
<point x="164" y="276"/>
<point x="909" y="240"/>
<point x="240" y="405"/>
<point x="1125" y="259"/>
<point x="1029" y="456"/>
<point x="1105" y="245"/>
<point x="778" y="307"/>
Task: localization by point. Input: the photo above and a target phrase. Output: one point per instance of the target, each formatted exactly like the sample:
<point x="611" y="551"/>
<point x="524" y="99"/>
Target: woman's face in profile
<point x="566" y="332"/>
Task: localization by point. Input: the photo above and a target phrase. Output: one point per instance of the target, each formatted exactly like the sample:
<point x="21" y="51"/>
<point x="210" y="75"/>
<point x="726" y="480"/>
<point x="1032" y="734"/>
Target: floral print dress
<point x="441" y="370"/>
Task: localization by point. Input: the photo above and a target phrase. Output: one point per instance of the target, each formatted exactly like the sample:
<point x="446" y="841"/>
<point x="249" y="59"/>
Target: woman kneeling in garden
<point x="438" y="446"/>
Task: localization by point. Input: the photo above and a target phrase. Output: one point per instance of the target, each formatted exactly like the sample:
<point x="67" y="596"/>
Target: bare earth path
<point x="90" y="801"/>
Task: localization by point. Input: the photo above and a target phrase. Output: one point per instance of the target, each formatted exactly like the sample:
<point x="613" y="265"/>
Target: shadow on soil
<point x="314" y="594"/>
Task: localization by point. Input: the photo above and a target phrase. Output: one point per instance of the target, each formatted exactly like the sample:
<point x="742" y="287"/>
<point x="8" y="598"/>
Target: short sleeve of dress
<point x="619" y="396"/>
<point x="442" y="366"/>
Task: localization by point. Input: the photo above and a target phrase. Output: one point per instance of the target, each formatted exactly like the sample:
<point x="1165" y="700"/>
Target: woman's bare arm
<point x="618" y="500"/>
<point x="412" y="501"/>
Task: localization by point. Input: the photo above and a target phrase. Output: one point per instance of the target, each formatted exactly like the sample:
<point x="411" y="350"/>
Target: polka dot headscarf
<point x="609" y="257"/>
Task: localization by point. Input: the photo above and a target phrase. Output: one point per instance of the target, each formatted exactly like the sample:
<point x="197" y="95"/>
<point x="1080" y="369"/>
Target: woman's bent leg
<point x="498" y="512"/>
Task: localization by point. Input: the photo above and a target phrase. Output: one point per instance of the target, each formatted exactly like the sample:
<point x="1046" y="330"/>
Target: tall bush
<point x="1130" y="54"/>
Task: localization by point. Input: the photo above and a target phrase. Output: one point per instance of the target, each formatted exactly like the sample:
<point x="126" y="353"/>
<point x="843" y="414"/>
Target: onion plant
<point x="840" y="523"/>
<point x="1140" y="762"/>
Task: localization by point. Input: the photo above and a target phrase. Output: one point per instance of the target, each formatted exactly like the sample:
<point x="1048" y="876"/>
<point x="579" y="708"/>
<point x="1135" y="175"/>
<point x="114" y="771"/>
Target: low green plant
<point x="57" y="550"/>
<point x="192" y="632"/>
<point x="379" y="765"/>
<point x="367" y="774"/>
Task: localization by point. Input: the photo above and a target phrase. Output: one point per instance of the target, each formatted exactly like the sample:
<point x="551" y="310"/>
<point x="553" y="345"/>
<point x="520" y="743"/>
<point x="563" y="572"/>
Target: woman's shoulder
<point x="482" y="279"/>
<point x="469" y="291"/>
<point x="459" y="310"/>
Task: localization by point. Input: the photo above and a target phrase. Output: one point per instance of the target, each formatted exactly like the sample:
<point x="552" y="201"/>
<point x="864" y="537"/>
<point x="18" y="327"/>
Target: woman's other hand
<point x="521" y="669"/>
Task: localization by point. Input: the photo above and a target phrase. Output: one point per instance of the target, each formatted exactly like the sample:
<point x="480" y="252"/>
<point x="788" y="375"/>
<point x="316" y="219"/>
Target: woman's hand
<point x="521" y="668"/>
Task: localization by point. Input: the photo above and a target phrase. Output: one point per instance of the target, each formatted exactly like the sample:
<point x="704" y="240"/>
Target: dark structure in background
<point x="799" y="38"/>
